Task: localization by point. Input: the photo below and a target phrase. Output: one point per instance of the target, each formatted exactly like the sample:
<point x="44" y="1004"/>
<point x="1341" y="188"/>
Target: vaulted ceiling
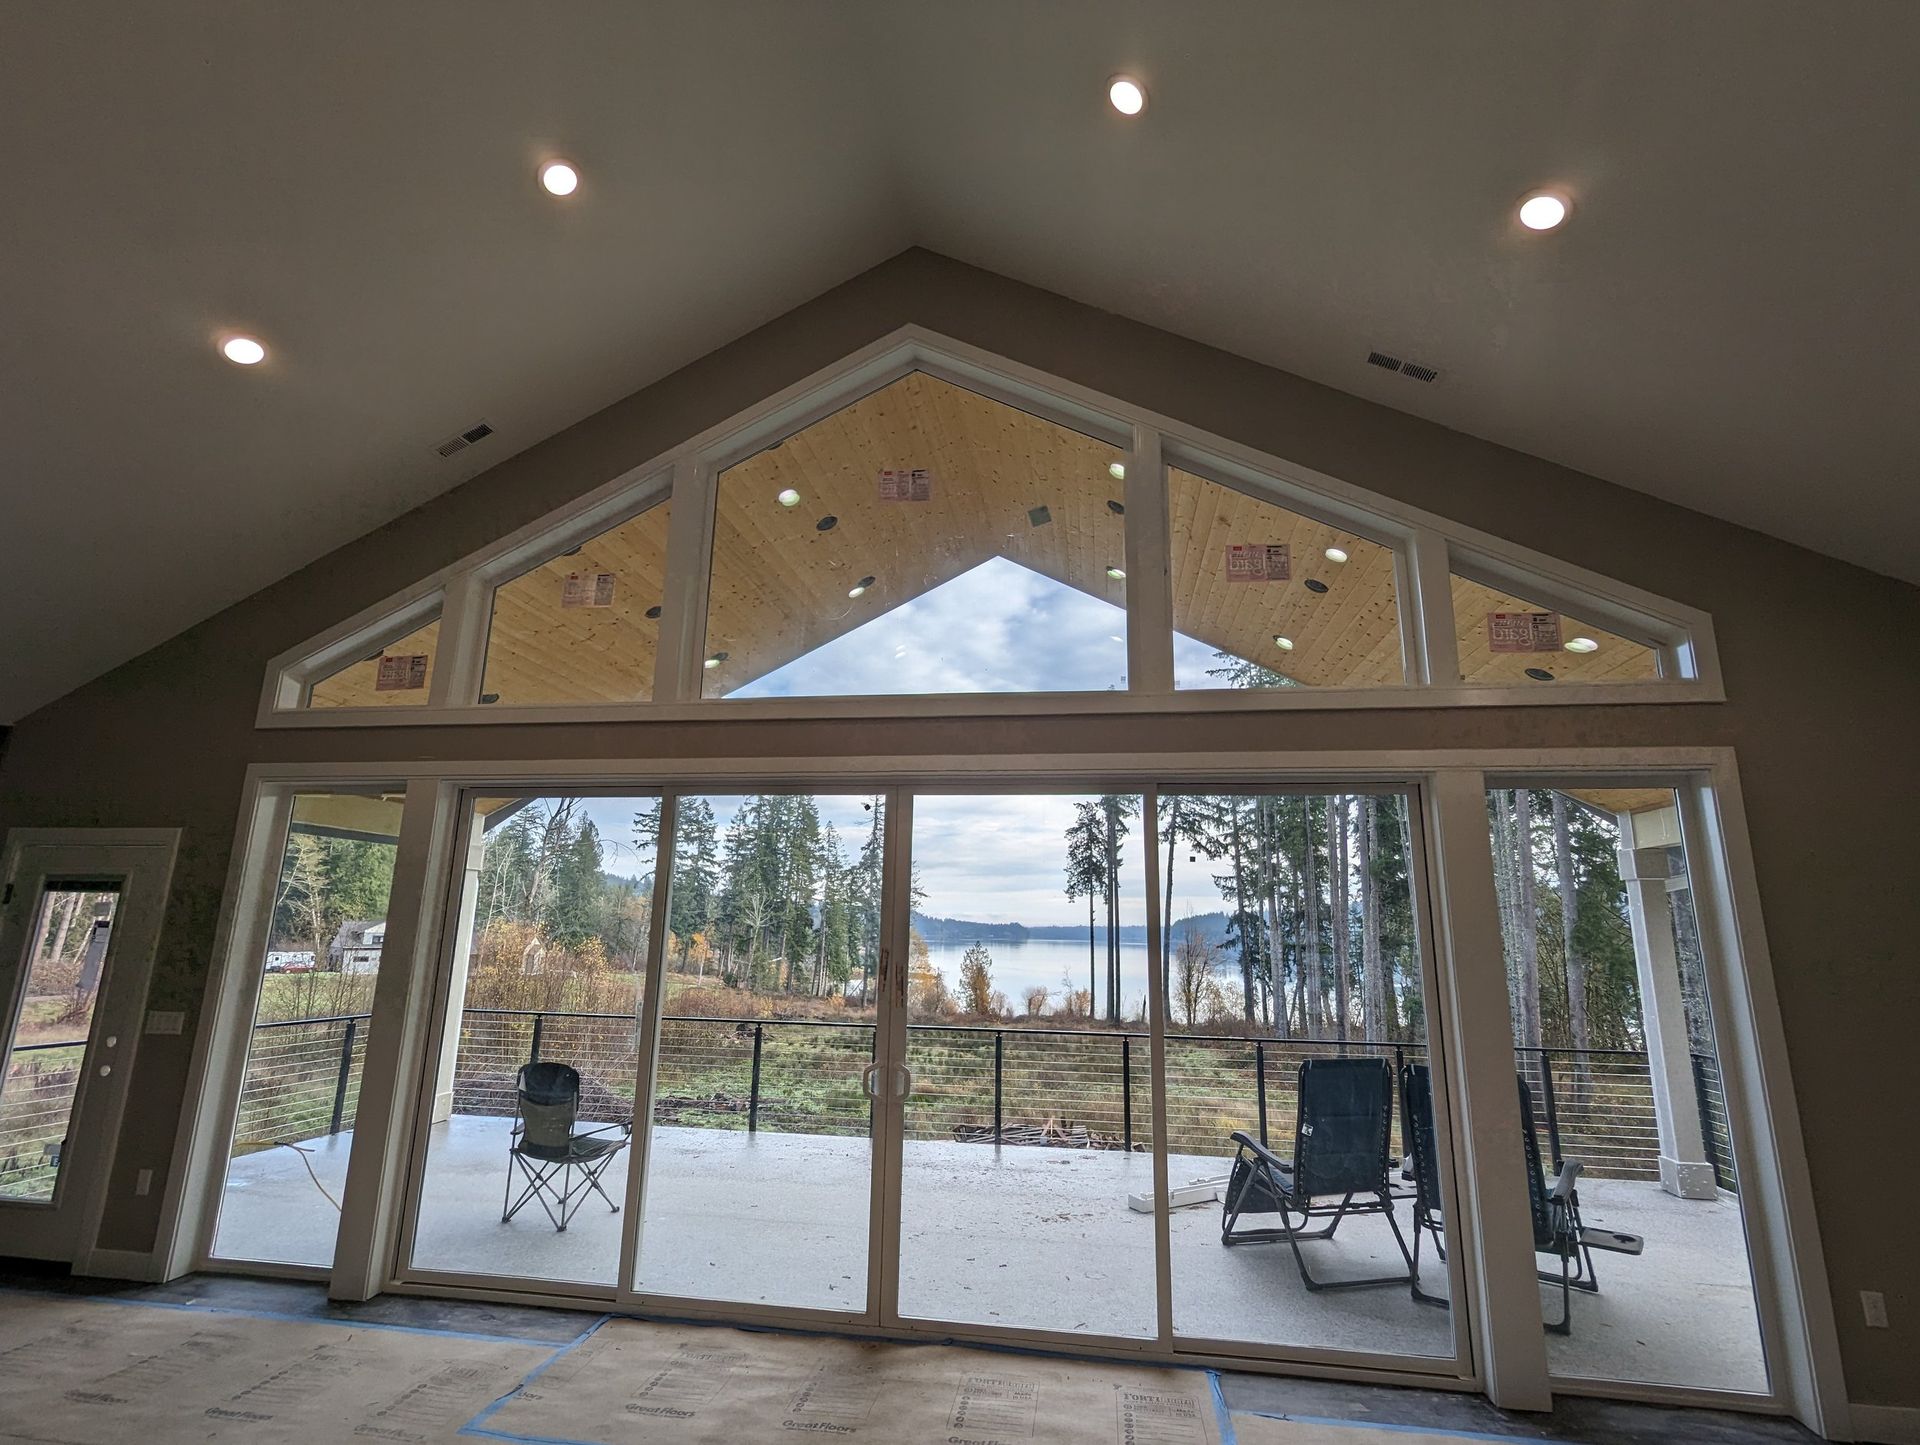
<point x="1726" y="321"/>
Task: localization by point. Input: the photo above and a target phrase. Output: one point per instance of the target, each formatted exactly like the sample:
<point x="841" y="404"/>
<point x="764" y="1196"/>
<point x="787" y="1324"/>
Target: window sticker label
<point x="1523" y="631"/>
<point x="903" y="484"/>
<point x="401" y="672"/>
<point x="587" y="589"/>
<point x="1259" y="562"/>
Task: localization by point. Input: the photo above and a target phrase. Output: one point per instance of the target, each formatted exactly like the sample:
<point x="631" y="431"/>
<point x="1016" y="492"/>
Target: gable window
<point x="583" y="626"/>
<point x="400" y="674"/>
<point x="922" y="522"/>
<point x="926" y="539"/>
<point x="1266" y="597"/>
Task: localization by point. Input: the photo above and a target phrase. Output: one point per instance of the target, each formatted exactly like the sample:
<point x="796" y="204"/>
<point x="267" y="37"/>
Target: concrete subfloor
<point x="1573" y="1420"/>
<point x="1022" y="1237"/>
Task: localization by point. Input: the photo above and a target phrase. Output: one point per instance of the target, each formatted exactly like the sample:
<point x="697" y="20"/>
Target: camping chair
<point x="1339" y="1165"/>
<point x="1557" y="1229"/>
<point x="547" y="1148"/>
<point x="1416" y="1132"/>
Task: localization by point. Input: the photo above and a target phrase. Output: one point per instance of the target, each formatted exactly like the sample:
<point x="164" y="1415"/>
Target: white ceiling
<point x="1728" y="321"/>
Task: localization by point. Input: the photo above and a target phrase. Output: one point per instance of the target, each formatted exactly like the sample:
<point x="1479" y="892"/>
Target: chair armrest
<point x="1570" y="1170"/>
<point x="1261" y="1151"/>
<point x="625" y="1127"/>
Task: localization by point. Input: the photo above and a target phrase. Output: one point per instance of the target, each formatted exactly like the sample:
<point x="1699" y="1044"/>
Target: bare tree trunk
<point x="1240" y="910"/>
<point x="65" y="905"/>
<point x="1529" y="908"/>
<point x="1569" y="923"/>
<point x="1276" y="942"/>
<point x="1310" y="965"/>
<point x="1373" y="994"/>
<point x="1340" y="888"/>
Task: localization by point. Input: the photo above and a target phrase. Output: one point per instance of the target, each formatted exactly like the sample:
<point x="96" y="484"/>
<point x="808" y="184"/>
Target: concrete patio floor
<point x="1020" y="1237"/>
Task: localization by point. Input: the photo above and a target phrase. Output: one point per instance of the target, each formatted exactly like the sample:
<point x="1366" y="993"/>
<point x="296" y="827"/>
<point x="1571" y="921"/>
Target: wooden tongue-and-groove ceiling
<point x="1003" y="483"/>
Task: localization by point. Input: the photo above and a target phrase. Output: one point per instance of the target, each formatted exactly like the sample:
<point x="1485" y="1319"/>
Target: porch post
<point x="1684" y="1170"/>
<point x="457" y="967"/>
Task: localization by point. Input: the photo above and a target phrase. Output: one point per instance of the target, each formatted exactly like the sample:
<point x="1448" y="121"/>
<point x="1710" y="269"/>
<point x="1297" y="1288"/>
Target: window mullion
<point x="1149" y="568"/>
<point x="462" y="648"/>
<point x="684" y="596"/>
<point x="1427" y="625"/>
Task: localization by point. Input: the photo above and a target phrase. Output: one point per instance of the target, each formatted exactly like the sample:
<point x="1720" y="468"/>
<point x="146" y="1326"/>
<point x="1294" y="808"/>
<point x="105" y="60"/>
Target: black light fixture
<point x="1314" y="584"/>
<point x="653" y="611"/>
<point x="1117" y="508"/>
<point x="826" y="523"/>
<point x="1539" y="674"/>
<point x="489" y="697"/>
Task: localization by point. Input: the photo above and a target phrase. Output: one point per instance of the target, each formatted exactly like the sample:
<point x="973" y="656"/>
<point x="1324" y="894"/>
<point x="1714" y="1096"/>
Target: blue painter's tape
<point x="1221" y="1414"/>
<point x="292" y="1319"/>
<point x="478" y="1426"/>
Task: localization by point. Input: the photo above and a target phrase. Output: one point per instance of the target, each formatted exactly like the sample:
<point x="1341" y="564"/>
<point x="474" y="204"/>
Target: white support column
<point x="463" y="922"/>
<point x="1494" y="1230"/>
<point x="1684" y="1170"/>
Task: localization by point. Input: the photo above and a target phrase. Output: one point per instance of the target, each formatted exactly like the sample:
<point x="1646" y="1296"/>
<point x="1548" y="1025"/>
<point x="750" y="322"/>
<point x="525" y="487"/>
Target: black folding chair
<point x="1416" y="1132"/>
<point x="1557" y="1228"/>
<point x="1339" y="1166"/>
<point x="560" y="1163"/>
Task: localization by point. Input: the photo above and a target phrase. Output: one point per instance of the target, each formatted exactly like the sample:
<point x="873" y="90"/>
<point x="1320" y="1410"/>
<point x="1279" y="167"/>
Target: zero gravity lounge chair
<point x="560" y="1163"/>
<point x="1338" y="1169"/>
<point x="1557" y="1228"/>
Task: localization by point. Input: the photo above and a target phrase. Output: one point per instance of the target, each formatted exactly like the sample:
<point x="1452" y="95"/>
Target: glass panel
<point x="1508" y="641"/>
<point x="1264" y="597"/>
<point x="759" y="1167"/>
<point x="585" y="626"/>
<point x="533" y="1091"/>
<point x="1614" y="1046"/>
<point x="922" y="540"/>
<point x="1296" y="1046"/>
<point x="293" y="1131"/>
<point x="65" y="954"/>
<point x="398" y="675"/>
<point x="1030" y="1118"/>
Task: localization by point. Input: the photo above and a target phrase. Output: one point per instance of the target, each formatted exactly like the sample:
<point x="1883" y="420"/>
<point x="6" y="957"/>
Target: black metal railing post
<point x="999" y="1080"/>
<point x="346" y="1072"/>
<point x="1552" y="1108"/>
<point x="1260" y="1084"/>
<point x="1126" y="1092"/>
<point x="533" y="1052"/>
<point x="1709" y="1139"/>
<point x="753" y="1085"/>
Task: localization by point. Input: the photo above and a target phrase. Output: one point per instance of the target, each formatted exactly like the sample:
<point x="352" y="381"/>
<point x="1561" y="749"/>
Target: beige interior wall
<point x="1819" y="660"/>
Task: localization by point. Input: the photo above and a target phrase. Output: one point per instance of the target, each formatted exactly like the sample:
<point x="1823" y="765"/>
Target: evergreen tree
<point x="572" y="906"/>
<point x="696" y="872"/>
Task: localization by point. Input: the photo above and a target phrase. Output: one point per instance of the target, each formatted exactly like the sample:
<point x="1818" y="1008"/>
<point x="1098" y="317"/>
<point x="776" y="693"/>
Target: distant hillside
<point x="958" y="932"/>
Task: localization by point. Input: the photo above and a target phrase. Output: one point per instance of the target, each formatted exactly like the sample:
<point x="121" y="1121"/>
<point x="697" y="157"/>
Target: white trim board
<point x="1886" y="1424"/>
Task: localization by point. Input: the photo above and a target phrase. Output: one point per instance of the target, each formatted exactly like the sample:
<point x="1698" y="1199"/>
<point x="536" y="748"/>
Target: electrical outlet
<point x="143" y="1181"/>
<point x="1873" y="1305"/>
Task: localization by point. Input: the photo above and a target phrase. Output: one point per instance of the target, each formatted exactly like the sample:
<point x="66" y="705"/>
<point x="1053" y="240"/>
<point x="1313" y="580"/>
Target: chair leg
<point x="1419" y="1294"/>
<point x="1564" y="1325"/>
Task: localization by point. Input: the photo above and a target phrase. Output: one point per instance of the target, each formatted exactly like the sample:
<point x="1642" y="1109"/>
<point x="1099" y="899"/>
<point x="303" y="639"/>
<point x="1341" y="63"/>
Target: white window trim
<point x="1426" y="547"/>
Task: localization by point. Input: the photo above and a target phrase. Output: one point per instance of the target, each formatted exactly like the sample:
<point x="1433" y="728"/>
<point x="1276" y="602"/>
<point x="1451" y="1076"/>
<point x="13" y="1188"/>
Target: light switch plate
<point x="166" y="1021"/>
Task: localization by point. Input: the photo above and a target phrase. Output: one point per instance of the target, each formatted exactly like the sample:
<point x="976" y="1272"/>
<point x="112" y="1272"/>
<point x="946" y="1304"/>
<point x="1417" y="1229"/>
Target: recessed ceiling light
<point x="1128" y="95"/>
<point x="1117" y="470"/>
<point x="1582" y="644"/>
<point x="789" y="498"/>
<point x="1285" y="644"/>
<point x="243" y="351"/>
<point x="1336" y="554"/>
<point x="859" y="588"/>
<point x="1542" y="211"/>
<point x="711" y="662"/>
<point x="559" y="178"/>
<point x="1116" y="574"/>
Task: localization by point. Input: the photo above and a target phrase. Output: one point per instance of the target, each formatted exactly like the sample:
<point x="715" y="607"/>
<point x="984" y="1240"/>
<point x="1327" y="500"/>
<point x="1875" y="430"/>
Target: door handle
<point x="906" y="1081"/>
<point x="867" y="1077"/>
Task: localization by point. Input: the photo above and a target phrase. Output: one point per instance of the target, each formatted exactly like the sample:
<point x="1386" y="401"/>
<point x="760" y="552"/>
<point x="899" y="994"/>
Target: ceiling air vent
<point x="478" y="432"/>
<point x="1406" y="368"/>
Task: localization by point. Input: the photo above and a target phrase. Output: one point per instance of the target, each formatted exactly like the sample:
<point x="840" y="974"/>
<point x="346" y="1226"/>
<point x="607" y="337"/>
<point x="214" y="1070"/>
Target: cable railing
<point x="1084" y="1088"/>
<point x="36" y="1102"/>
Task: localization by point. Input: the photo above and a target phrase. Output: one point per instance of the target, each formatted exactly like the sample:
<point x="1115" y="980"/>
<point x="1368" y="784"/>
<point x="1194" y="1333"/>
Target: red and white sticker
<point x="1259" y="562"/>
<point x="402" y="672"/>
<point x="587" y="589"/>
<point x="904" y="484"/>
<point x="1523" y="631"/>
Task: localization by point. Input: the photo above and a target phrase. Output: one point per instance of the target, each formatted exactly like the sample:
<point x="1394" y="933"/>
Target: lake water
<point x="1041" y="963"/>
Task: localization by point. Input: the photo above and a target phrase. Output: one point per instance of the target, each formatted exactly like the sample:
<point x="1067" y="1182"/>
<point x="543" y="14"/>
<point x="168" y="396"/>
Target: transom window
<point x="941" y="527"/>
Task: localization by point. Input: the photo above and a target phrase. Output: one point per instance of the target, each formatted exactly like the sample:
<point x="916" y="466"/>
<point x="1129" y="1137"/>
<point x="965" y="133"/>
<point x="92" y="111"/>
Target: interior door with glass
<point x="77" y="934"/>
